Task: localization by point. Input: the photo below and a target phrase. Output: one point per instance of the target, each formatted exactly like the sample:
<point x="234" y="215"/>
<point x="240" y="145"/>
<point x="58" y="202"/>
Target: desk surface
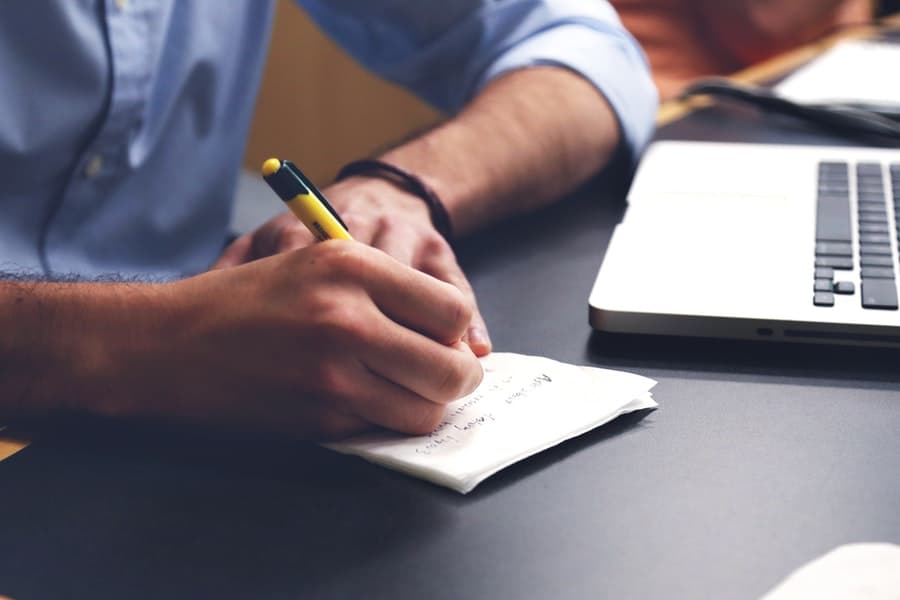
<point x="760" y="458"/>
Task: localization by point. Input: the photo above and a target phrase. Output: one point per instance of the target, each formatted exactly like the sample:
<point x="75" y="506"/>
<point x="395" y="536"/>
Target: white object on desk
<point x="254" y="203"/>
<point x="524" y="405"/>
<point x="857" y="72"/>
<point x="852" y="572"/>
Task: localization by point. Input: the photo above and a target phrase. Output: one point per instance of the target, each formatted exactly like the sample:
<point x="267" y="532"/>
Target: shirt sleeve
<point x="446" y="51"/>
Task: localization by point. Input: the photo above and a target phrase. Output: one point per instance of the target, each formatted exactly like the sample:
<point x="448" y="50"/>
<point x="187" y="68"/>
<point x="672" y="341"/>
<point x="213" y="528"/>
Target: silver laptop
<point x="754" y="241"/>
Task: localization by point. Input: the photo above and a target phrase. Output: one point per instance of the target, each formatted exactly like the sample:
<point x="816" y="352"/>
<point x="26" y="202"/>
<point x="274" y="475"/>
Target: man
<point x="689" y="39"/>
<point x="121" y="132"/>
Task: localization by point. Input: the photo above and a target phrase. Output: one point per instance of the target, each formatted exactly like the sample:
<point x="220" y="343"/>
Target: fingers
<point x="477" y="336"/>
<point x="277" y="236"/>
<point x="237" y="253"/>
<point x="443" y="266"/>
<point x="436" y="372"/>
<point x="396" y="242"/>
<point x="409" y="297"/>
<point x="384" y="403"/>
<point x="281" y="234"/>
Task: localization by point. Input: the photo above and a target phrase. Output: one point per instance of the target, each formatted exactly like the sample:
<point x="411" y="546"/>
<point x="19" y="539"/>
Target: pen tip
<point x="270" y="166"/>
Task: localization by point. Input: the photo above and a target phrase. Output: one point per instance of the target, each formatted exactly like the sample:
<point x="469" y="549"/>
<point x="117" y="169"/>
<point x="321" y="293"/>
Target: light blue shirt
<point x="123" y="122"/>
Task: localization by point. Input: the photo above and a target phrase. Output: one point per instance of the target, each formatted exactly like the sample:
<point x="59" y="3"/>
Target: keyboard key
<point x="824" y="273"/>
<point x="833" y="249"/>
<point x="833" y="227"/>
<point x="870" y="190"/>
<point x="874" y="238"/>
<point x="823" y="299"/>
<point x="866" y="195"/>
<point x="871" y="217"/>
<point x="835" y="262"/>
<point x="834" y="188"/>
<point x="868" y="260"/>
<point x="877" y="273"/>
<point x="833" y="221"/>
<point x="876" y="250"/>
<point x="833" y="230"/>
<point x="868" y="169"/>
<point x="874" y="227"/>
<point x="824" y="285"/>
<point x="844" y="287"/>
<point x="834" y="183"/>
<point x="879" y="293"/>
<point x="869" y="206"/>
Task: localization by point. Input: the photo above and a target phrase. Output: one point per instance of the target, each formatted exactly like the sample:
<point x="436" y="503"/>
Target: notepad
<point x="854" y="72"/>
<point x="524" y="405"/>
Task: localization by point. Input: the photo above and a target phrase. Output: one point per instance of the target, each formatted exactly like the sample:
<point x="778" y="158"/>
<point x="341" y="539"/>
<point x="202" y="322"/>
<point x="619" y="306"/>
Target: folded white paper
<point x="851" y="572"/>
<point x="524" y="405"/>
<point x="855" y="71"/>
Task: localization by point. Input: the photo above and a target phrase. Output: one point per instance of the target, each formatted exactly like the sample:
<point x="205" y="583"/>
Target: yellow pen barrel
<point x="317" y="218"/>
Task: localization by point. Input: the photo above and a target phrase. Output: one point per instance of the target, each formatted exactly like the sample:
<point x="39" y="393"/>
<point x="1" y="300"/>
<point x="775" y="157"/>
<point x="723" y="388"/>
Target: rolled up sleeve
<point x="446" y="51"/>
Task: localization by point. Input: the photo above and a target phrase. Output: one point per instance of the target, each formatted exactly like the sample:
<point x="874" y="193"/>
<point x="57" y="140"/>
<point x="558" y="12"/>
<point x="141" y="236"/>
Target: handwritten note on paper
<point x="524" y="405"/>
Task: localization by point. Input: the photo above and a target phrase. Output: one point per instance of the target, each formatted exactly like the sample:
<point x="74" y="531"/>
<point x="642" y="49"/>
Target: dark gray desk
<point x="760" y="458"/>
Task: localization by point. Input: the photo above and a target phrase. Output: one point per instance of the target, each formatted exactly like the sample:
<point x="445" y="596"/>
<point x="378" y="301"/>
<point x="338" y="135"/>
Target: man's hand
<point x="320" y="343"/>
<point x="380" y="215"/>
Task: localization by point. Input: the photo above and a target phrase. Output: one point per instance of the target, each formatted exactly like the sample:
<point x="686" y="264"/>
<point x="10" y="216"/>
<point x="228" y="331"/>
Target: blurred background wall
<point x="321" y="110"/>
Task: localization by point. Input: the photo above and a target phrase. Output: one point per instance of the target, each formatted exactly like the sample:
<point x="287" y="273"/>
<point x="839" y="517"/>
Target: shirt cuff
<point x="609" y="59"/>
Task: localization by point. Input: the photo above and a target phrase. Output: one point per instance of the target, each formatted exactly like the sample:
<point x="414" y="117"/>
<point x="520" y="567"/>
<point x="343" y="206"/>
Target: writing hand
<point x="383" y="216"/>
<point x="321" y="342"/>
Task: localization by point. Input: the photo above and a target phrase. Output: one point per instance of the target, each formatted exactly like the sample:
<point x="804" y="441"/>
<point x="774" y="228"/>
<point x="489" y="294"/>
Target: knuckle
<point x="342" y="323"/>
<point x="386" y="222"/>
<point x="329" y="380"/>
<point x="344" y="259"/>
<point x="460" y="309"/>
<point x="477" y="376"/>
<point x="434" y="244"/>
<point x="393" y="225"/>
<point x="454" y="382"/>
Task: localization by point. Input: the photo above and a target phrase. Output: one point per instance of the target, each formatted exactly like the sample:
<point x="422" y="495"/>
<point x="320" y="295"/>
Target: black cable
<point x="849" y="119"/>
<point x="888" y="7"/>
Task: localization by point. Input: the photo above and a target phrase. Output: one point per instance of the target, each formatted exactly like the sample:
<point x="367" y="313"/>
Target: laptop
<point x="757" y="241"/>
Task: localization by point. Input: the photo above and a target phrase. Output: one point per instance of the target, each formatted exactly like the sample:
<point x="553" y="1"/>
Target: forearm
<point x="526" y="139"/>
<point x="60" y="341"/>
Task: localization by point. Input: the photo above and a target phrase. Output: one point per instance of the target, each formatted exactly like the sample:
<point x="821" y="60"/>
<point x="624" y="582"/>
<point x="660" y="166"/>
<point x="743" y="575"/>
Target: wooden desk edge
<point x="10" y="443"/>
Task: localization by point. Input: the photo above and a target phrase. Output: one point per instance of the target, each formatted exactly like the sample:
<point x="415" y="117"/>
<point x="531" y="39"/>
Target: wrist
<point x="407" y="181"/>
<point x="362" y="194"/>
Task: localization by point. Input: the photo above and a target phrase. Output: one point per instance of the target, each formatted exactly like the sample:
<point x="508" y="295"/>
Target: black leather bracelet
<point x="406" y="181"/>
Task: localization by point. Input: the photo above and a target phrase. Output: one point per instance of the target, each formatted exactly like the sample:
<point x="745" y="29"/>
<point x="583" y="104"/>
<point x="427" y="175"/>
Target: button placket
<point x="128" y="32"/>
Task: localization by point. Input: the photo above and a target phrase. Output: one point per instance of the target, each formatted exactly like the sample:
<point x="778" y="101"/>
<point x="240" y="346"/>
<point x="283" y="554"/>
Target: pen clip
<point x="313" y="190"/>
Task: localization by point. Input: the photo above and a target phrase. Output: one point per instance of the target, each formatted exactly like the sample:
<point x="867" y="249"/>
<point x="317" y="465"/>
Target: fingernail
<point x="479" y="340"/>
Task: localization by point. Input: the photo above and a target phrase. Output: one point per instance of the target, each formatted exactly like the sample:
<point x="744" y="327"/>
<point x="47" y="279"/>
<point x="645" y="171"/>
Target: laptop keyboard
<point x="839" y="250"/>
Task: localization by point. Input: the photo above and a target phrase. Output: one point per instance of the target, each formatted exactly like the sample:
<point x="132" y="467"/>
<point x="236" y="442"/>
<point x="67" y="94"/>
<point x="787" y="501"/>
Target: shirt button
<point x="93" y="166"/>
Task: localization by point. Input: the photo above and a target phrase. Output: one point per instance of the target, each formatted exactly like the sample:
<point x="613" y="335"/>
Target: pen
<point x="304" y="200"/>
